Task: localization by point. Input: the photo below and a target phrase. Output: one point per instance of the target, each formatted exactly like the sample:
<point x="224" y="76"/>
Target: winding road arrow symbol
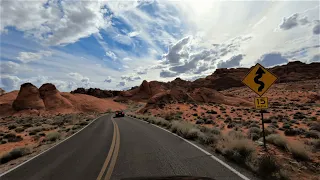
<point x="259" y="74"/>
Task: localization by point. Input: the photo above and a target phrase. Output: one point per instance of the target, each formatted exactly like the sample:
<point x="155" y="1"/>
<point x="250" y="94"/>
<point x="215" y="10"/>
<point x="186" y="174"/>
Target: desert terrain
<point x="33" y="120"/>
<point x="217" y="112"/>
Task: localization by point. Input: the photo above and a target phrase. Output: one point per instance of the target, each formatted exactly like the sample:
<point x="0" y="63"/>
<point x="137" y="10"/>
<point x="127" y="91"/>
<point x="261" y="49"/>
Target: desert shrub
<point x="27" y="125"/>
<point x="35" y="130"/>
<point x="315" y="144"/>
<point x="195" y="114"/>
<point x="236" y="134"/>
<point x="109" y="110"/>
<point x="315" y="126"/>
<point x="3" y="141"/>
<point x="200" y="121"/>
<point x="254" y="133"/>
<point x="267" y="120"/>
<point x="299" y="115"/>
<point x="75" y="127"/>
<point x="312" y="134"/>
<point x="212" y="112"/>
<point x="207" y="139"/>
<point x="238" y="150"/>
<point x="209" y="121"/>
<point x="286" y="126"/>
<point x="254" y="130"/>
<point x="267" y="166"/>
<point x="253" y="124"/>
<point x="291" y="132"/>
<point x="19" y="129"/>
<point x="231" y="125"/>
<point x="14" y="154"/>
<point x="52" y="136"/>
<point x="12" y="137"/>
<point x="277" y="140"/>
<point x="269" y="130"/>
<point x="41" y="134"/>
<point x="299" y="151"/>
<point x="10" y="127"/>
<point x="84" y="123"/>
<point x="313" y="118"/>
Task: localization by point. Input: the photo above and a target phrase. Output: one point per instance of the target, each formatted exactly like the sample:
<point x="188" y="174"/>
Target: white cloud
<point x="111" y="55"/>
<point x="121" y="84"/>
<point x="316" y="28"/>
<point x="54" y="22"/>
<point x="127" y="59"/>
<point x="9" y="67"/>
<point x="290" y="22"/>
<point x="272" y="59"/>
<point x="108" y="79"/>
<point x="133" y="34"/>
<point x="33" y="56"/>
<point x="234" y="61"/>
<point x="131" y="77"/>
<point x="167" y="73"/>
<point x="9" y="83"/>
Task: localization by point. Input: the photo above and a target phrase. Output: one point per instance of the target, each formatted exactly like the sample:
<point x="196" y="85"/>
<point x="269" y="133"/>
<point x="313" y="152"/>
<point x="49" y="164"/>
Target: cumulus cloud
<point x="111" y="55"/>
<point x="108" y="79"/>
<point x="174" y="54"/>
<point x="121" y="84"/>
<point x="142" y="71"/>
<point x="234" y="61"/>
<point x="166" y="73"/>
<point x="130" y="77"/>
<point x="54" y="22"/>
<point x="290" y="22"/>
<point x="272" y="59"/>
<point x="9" y="67"/>
<point x="304" y="20"/>
<point x="9" y="83"/>
<point x="33" y="56"/>
<point x="316" y="28"/>
<point x="316" y="58"/>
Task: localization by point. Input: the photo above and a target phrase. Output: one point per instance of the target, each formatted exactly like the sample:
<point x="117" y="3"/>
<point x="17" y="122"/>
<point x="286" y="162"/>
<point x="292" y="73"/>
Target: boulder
<point x="53" y="99"/>
<point x="28" y="98"/>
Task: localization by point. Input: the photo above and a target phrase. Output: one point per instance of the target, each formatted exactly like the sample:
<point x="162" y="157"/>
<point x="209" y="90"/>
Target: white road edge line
<point x="204" y="151"/>
<point x="6" y="172"/>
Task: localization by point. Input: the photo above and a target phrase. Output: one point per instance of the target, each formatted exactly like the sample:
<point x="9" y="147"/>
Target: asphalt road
<point x="121" y="148"/>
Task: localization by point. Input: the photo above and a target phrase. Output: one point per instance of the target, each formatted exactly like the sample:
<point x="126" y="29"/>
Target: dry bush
<point x="277" y="140"/>
<point x="238" y="150"/>
<point x="299" y="151"/>
<point x="267" y="166"/>
<point x="52" y="136"/>
<point x="14" y="154"/>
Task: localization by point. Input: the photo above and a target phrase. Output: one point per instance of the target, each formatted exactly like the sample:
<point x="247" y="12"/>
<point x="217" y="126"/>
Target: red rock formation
<point x="53" y="99"/>
<point x="28" y="98"/>
<point x="2" y="91"/>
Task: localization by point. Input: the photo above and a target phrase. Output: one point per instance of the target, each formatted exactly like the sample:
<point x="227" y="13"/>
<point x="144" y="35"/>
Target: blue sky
<point x="118" y="44"/>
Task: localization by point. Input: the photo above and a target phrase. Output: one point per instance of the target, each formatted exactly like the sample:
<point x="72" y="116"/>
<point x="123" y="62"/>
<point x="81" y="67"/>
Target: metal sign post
<point x="264" y="137"/>
<point x="260" y="80"/>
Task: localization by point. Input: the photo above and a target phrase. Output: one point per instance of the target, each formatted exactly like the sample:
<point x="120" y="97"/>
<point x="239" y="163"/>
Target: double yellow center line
<point x="113" y="153"/>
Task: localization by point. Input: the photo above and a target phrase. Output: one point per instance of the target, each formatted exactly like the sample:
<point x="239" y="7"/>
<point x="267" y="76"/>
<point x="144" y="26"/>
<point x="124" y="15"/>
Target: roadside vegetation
<point x="30" y="135"/>
<point x="236" y="145"/>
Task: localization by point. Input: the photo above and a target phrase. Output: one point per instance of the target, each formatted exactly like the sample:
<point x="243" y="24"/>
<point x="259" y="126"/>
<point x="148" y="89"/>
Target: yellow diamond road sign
<point x="261" y="102"/>
<point x="259" y="79"/>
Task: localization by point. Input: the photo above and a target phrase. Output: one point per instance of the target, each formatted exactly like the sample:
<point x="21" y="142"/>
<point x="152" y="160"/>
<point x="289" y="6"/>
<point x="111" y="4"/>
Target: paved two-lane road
<point x="120" y="149"/>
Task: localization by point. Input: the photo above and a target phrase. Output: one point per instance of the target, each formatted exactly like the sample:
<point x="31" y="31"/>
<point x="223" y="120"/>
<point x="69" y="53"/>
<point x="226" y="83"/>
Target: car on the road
<point x="119" y="114"/>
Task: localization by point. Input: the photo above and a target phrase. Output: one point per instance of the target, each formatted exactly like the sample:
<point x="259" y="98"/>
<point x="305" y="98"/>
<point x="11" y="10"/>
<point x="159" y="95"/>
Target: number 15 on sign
<point x="261" y="102"/>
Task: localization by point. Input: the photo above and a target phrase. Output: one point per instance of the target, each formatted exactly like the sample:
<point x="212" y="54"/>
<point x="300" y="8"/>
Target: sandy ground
<point x="292" y="101"/>
<point x="36" y="132"/>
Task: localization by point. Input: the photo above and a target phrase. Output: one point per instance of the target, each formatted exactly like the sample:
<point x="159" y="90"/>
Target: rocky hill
<point x="206" y="90"/>
<point x="96" y="92"/>
<point x="30" y="100"/>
